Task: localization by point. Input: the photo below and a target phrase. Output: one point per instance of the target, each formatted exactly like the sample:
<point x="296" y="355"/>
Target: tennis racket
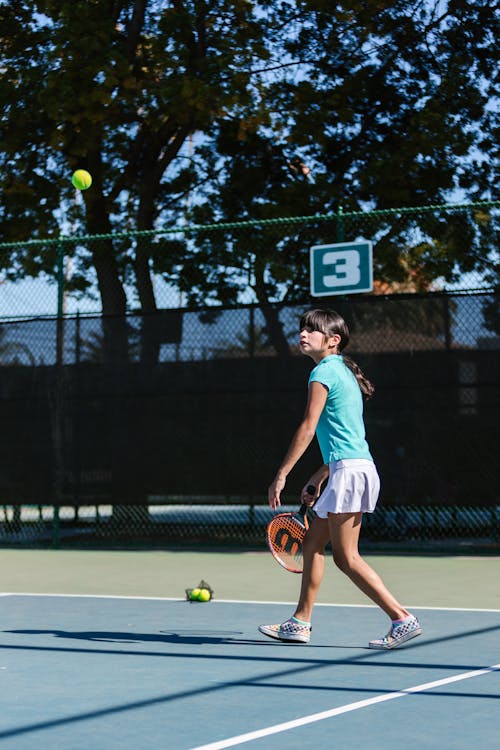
<point x="285" y="534"/>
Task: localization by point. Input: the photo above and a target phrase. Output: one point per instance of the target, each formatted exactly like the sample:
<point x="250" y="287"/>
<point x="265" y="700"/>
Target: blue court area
<point x="128" y="673"/>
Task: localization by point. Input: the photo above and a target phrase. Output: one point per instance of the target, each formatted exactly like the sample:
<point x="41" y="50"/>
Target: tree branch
<point x="135" y="26"/>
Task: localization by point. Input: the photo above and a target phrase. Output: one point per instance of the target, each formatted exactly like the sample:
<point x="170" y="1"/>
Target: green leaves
<point x="203" y="108"/>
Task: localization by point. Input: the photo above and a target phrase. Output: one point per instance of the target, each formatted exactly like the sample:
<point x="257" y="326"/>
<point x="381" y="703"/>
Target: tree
<point x="256" y="110"/>
<point x="387" y="104"/>
<point x="118" y="89"/>
<point x="397" y="104"/>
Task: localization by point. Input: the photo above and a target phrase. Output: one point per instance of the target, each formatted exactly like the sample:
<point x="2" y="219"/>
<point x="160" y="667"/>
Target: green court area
<point x="427" y="581"/>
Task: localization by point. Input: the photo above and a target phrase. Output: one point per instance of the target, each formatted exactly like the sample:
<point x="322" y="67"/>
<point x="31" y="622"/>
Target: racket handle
<point x="311" y="490"/>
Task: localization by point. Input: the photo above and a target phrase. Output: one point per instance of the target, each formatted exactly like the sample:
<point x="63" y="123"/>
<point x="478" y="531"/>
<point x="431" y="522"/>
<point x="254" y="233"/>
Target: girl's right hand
<point x="309" y="494"/>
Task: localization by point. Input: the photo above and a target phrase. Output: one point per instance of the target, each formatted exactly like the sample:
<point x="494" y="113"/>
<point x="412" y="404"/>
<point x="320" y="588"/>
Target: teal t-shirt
<point x="340" y="430"/>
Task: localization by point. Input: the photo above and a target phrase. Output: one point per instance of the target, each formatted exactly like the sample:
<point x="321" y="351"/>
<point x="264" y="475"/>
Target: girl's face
<point x="316" y="345"/>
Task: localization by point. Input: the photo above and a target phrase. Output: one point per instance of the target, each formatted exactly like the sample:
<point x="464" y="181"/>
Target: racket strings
<point x="285" y="536"/>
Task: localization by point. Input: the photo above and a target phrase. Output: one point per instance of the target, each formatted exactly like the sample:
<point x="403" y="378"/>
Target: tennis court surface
<point x="80" y="672"/>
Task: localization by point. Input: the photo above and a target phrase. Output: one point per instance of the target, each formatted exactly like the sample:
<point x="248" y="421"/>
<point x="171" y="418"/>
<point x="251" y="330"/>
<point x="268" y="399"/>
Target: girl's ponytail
<point x="366" y="386"/>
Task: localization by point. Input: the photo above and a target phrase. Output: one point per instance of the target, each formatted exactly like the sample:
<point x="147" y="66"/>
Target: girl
<point x="334" y="412"/>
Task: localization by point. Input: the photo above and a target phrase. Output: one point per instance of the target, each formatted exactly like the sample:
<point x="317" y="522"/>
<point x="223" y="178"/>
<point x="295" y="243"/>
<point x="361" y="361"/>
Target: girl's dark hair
<point x="329" y="322"/>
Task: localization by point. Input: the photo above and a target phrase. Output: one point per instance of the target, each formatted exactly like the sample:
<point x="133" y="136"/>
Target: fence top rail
<point x="198" y="228"/>
<point x="393" y="297"/>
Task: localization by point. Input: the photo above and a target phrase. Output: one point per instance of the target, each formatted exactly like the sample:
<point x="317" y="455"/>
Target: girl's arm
<point x="315" y="404"/>
<point x="316" y="480"/>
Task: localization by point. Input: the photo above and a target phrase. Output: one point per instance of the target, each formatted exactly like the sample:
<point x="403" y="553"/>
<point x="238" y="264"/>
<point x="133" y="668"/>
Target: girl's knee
<point x="345" y="563"/>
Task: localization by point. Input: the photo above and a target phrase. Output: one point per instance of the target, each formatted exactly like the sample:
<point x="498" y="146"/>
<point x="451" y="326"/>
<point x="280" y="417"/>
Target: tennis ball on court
<point x="204" y="595"/>
<point x="194" y="594"/>
<point x="81" y="179"/>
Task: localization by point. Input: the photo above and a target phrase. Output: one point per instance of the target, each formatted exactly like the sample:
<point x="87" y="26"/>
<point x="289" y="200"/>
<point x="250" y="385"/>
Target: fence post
<point x="76" y="412"/>
<point x="251" y="334"/>
<point x="60" y="279"/>
<point x="447" y="323"/>
<point x="56" y="539"/>
<point x="58" y="406"/>
<point x="340" y="224"/>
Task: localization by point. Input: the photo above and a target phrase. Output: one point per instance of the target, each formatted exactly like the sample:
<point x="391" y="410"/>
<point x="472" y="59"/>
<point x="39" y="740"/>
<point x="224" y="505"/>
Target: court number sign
<point x="343" y="268"/>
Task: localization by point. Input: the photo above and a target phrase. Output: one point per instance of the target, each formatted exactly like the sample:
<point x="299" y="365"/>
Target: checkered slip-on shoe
<point x="398" y="634"/>
<point x="272" y="631"/>
<point x="294" y="631"/>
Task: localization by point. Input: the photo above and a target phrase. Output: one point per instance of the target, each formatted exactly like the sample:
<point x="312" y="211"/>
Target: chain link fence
<point x="380" y="324"/>
<point x="97" y="449"/>
<point x="436" y="248"/>
<point x="406" y="528"/>
<point x="102" y="453"/>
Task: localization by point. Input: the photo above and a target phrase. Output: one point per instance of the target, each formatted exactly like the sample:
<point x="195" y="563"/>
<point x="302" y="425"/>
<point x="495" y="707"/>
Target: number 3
<point x="344" y="265"/>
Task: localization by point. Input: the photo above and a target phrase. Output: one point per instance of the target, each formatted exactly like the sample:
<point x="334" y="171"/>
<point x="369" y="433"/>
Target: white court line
<point x="237" y="601"/>
<point x="267" y="731"/>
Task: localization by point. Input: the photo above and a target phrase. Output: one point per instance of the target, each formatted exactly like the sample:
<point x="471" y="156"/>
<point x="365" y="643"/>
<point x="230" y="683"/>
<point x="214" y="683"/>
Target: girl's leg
<point x="344" y="534"/>
<point x="314" y="544"/>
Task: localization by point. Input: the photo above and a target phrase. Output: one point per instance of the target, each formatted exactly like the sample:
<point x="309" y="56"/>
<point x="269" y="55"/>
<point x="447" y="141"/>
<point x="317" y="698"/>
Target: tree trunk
<point x="115" y="332"/>
<point x="113" y="298"/>
<point x="157" y="156"/>
<point x="274" y="327"/>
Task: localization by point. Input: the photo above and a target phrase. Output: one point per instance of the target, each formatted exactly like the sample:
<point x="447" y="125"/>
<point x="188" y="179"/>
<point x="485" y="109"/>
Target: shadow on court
<point x="133" y="688"/>
<point x="230" y="637"/>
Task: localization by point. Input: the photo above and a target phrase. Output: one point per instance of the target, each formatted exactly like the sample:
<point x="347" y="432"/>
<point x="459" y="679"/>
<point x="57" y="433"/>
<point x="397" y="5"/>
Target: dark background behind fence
<point x="151" y="451"/>
<point x="162" y="417"/>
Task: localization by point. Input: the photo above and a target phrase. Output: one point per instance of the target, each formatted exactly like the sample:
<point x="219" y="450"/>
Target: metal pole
<point x="251" y="333"/>
<point x="340" y="224"/>
<point x="60" y="279"/>
<point x="57" y="428"/>
<point x="56" y="540"/>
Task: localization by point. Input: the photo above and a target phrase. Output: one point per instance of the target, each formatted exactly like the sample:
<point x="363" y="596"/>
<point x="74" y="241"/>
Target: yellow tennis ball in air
<point x="81" y="179"/>
<point x="194" y="594"/>
<point x="204" y="595"/>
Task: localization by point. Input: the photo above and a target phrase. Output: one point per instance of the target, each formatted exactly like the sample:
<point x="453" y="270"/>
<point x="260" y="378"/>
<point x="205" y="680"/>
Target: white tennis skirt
<point x="353" y="487"/>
